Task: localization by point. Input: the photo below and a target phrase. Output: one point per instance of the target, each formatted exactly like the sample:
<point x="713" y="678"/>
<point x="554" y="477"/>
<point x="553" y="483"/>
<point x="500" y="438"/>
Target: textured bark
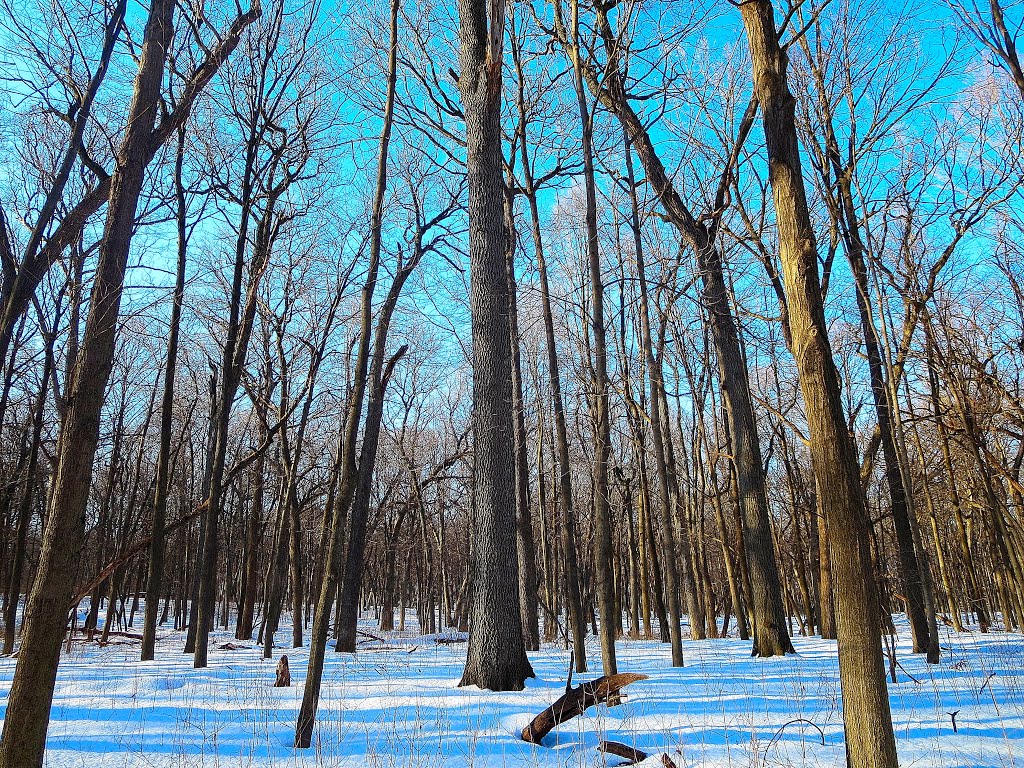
<point x="282" y="676"/>
<point x="868" y="721"/>
<point x="624" y="751"/>
<point x="496" y="658"/>
<point x="28" y="705"/>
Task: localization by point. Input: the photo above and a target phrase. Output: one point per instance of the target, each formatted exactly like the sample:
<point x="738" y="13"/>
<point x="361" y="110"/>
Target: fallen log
<point x="623" y="751"/>
<point x="575" y="701"/>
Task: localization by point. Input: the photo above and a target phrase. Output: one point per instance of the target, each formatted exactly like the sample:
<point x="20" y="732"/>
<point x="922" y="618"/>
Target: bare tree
<point x="496" y="657"/>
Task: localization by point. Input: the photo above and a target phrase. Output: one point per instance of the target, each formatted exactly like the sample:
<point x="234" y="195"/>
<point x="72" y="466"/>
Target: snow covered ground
<point x="398" y="705"/>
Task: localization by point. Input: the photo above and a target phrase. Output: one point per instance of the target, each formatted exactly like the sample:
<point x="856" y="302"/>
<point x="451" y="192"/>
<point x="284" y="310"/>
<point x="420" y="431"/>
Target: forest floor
<point x="397" y="704"/>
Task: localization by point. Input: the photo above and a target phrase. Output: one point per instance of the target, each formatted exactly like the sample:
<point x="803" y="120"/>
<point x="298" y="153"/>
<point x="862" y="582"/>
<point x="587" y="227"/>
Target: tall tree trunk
<point x="525" y="548"/>
<point x="599" y="394"/>
<point x="254" y="530"/>
<point x="496" y="658"/>
<point x="154" y="578"/>
<point x="869" y="735"/>
<point x="28" y="704"/>
<point x="770" y="635"/>
<point x="656" y="380"/>
<point x="974" y="591"/>
<point x="849" y="223"/>
<point x="334" y="520"/>
<point x="563" y="493"/>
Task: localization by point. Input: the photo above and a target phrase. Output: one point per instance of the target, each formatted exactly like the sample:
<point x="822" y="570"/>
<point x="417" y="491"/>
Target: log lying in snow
<point x="621" y="750"/>
<point x="573" y="703"/>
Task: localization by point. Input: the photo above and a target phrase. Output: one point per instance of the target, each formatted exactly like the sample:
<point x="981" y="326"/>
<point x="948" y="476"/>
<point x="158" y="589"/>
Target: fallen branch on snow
<point x="623" y="751"/>
<point x="575" y="701"/>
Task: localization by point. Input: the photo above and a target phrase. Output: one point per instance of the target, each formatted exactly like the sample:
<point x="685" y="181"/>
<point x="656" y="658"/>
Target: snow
<point x="397" y="704"/>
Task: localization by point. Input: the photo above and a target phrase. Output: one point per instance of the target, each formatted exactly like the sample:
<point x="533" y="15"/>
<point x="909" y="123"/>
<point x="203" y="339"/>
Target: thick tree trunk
<point x="869" y="734"/>
<point x="28" y="704"/>
<point x="496" y="658"/>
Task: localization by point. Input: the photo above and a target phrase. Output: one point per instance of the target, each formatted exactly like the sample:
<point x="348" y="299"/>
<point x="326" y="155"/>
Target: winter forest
<point x="511" y="383"/>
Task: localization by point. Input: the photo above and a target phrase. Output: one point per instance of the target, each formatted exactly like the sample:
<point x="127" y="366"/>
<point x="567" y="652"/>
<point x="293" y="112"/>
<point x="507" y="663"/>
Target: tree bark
<point x="867" y="717"/>
<point x="28" y="706"/>
<point x="496" y="658"/>
<point x="563" y="488"/>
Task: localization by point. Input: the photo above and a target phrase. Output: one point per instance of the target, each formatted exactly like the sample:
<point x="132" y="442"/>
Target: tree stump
<point x="284" y="676"/>
<point x="574" y="701"/>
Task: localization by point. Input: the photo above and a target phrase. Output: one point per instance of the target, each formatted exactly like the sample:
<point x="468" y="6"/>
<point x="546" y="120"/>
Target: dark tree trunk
<point x="563" y="488"/>
<point x="525" y="548"/>
<point x="496" y="658"/>
<point x="24" y="516"/>
<point x="770" y="635"/>
<point x="334" y="521"/>
<point x="604" y="584"/>
<point x="154" y="579"/>
<point x="28" y="704"/>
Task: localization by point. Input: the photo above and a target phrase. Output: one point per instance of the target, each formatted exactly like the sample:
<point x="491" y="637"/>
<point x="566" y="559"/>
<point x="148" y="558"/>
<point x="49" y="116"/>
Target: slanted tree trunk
<point x="867" y="717"/>
<point x="334" y="520"/>
<point x="770" y="635"/>
<point x="849" y="224"/>
<point x="28" y="706"/>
